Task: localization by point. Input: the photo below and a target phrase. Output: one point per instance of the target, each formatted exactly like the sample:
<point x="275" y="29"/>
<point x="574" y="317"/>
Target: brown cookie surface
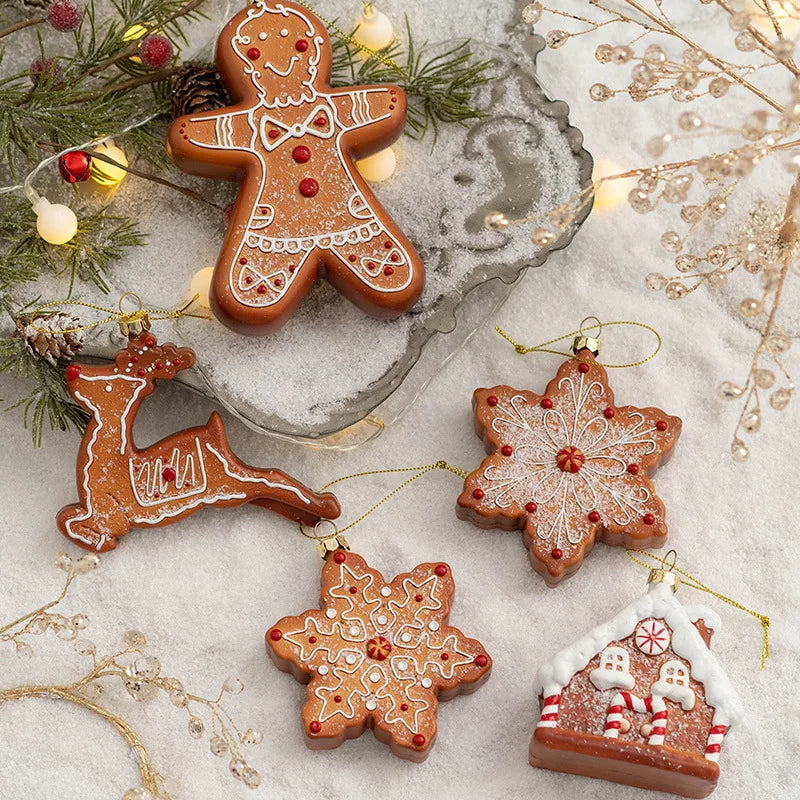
<point x="303" y="210"/>
<point x="568" y="467"/>
<point x="378" y="654"/>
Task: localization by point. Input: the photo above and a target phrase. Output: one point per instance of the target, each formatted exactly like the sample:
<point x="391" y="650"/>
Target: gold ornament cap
<point x="666" y="574"/>
<point x="584" y="342"/>
<point x="134" y="322"/>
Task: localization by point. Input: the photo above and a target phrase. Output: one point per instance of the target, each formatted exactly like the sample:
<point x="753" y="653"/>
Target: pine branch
<point x="48" y="400"/>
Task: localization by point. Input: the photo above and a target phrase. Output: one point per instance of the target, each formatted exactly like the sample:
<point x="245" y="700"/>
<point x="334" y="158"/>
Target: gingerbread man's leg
<point x="383" y="275"/>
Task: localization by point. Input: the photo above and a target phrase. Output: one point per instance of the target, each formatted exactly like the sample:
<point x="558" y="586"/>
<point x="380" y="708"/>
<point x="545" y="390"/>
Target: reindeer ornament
<point x="121" y="487"/>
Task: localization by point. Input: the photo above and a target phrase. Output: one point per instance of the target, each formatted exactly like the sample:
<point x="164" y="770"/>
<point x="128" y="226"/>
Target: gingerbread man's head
<point x="280" y="47"/>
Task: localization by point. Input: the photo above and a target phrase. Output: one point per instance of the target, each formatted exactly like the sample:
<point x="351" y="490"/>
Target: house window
<point x="674" y="684"/>
<point x="613" y="671"/>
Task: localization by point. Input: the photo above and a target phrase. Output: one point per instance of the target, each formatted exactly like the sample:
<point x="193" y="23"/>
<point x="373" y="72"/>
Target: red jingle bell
<point x="75" y="166"/>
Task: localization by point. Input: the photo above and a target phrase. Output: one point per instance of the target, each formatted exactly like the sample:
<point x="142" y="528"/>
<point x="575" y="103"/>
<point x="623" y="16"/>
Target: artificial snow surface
<point x="205" y="590"/>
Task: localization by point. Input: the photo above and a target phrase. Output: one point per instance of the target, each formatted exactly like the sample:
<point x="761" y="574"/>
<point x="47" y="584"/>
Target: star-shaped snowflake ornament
<point x="378" y="654"/>
<point x="569" y="467"/>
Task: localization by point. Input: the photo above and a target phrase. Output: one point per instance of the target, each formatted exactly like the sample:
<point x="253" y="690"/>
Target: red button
<point x="253" y="53"/>
<point x="301" y="45"/>
<point x="301" y="154"/>
<point x="308" y="187"/>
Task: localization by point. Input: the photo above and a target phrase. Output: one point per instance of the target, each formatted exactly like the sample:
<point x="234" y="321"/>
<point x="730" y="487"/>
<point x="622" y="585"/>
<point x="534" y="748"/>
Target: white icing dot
<point x="284" y="32"/>
<point x="402" y="665"/>
<point x="108" y="387"/>
<point x="330" y="613"/>
<point x="350" y="659"/>
<point x="382" y="620"/>
<point x="262" y="36"/>
<point x="386" y="591"/>
<point x="434" y="626"/>
<point x="323" y="670"/>
<point x="371" y="705"/>
<point x="355" y="630"/>
<point x="406" y="637"/>
<point x="426" y="683"/>
<point x="375" y="676"/>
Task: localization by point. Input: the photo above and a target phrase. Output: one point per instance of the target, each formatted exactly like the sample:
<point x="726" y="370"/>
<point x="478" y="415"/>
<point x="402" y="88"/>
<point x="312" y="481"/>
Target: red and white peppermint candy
<point x="652" y="637"/>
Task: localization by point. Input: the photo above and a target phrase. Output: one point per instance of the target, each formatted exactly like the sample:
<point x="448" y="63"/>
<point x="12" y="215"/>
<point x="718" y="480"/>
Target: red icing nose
<point x="72" y="372"/>
<point x="301" y="45"/>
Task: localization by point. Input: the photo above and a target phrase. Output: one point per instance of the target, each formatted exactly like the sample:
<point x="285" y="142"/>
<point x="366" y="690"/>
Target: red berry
<point x="584" y="368"/>
<point x="275" y="634"/>
<point x="156" y="51"/>
<point x="609" y="413"/>
<point x="556" y="552"/>
<point x="315" y="727"/>
<point x="531" y="507"/>
<point x="649" y="519"/>
<point x="506" y="449"/>
<point x="301" y="154"/>
<point x="65" y="15"/>
<point x="308" y="187"/>
<point x="441" y="570"/>
<point x="491" y="400"/>
<point x="419" y="740"/>
<point x="661" y="425"/>
<point x="478" y="494"/>
<point x="594" y="516"/>
<point x="481" y="660"/>
<point x="45" y="71"/>
<point x="168" y="474"/>
<point x="339" y="557"/>
<point x="546" y="402"/>
<point x="72" y="372"/>
<point x="301" y="45"/>
<point x="633" y="469"/>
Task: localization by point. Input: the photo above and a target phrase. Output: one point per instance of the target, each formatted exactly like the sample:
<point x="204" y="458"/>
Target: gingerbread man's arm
<point x="375" y="114"/>
<point x="195" y="141"/>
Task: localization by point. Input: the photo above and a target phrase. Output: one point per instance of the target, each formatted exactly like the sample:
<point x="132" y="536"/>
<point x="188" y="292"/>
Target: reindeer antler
<point x="145" y="358"/>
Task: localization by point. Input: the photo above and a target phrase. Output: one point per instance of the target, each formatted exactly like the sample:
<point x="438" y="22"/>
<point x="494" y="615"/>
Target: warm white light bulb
<point x="609" y="194"/>
<point x="108" y="174"/>
<point x="378" y="167"/>
<point x="201" y="285"/>
<point x="374" y="29"/>
<point x="56" y="224"/>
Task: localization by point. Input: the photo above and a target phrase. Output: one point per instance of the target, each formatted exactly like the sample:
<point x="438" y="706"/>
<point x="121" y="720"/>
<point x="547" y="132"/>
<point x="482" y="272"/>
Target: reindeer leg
<point x="82" y="528"/>
<point x="296" y="501"/>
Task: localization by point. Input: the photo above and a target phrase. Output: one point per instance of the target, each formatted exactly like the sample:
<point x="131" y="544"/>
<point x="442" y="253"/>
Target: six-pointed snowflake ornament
<point x="378" y="654"/>
<point x="568" y="467"/>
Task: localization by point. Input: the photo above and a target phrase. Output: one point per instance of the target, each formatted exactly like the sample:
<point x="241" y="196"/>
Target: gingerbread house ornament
<point x="639" y="700"/>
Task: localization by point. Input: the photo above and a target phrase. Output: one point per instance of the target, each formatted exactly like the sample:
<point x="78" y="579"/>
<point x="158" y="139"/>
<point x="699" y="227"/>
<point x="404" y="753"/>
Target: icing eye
<point x="284" y="32"/>
<point x="262" y="36"/>
<point x="301" y="45"/>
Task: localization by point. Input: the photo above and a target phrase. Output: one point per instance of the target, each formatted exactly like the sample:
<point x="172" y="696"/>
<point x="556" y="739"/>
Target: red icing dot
<point x="339" y="557"/>
<point x="176" y="361"/>
<point x="275" y="634"/>
<point x="387" y="270"/>
<point x="248" y="279"/>
<point x="337" y="698"/>
<point x="441" y="570"/>
<point x="262" y="289"/>
<point x="418" y="598"/>
<point x="594" y="516"/>
<point x="583" y="368"/>
<point x="320" y="120"/>
<point x="404" y="707"/>
<point x="72" y="372"/>
<point x="633" y="469"/>
<point x="140" y="372"/>
<point x="315" y="727"/>
<point x="506" y="449"/>
<point x="301" y="154"/>
<point x="301" y="45"/>
<point x="394" y="257"/>
<point x="445" y="656"/>
<point x="308" y="187"/>
<point x="351" y="257"/>
<point x="353" y="590"/>
<point x="609" y="413"/>
<point x="371" y="264"/>
<point x="481" y="660"/>
<point x="168" y="474"/>
<point x="556" y="552"/>
<point x="134" y="359"/>
<point x="391" y="108"/>
<point x="156" y="495"/>
<point x="546" y="402"/>
<point x="478" y="494"/>
<point x="492" y="400"/>
<point x="661" y="425"/>
<point x="292" y="267"/>
<point x="274" y="133"/>
<point x="159" y="365"/>
<point x="387" y="244"/>
<point x="150" y="341"/>
<point x="253" y="53"/>
<point x="418" y="740"/>
<point x="649" y="519"/>
<point x="278" y="282"/>
<point x="312" y="639"/>
<point x="531" y="507"/>
<point x="242" y="260"/>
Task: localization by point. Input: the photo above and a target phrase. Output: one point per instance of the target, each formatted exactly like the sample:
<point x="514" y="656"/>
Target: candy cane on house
<point x="653" y="704"/>
<point x="714" y="744"/>
<point x="549" y="716"/>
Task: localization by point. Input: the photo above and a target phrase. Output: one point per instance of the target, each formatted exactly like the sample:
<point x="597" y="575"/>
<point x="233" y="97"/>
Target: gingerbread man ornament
<point x="303" y="210"/>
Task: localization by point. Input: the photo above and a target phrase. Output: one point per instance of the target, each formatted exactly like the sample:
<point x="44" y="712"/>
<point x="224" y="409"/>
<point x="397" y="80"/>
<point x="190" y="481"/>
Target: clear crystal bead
<point x="83" y="647"/>
<point x="63" y="561"/>
<point x="251" y="778"/>
<point x="751" y="422"/>
<point x="233" y="686"/>
<point x="218" y="745"/>
<point x="134" y="640"/>
<point x="764" y="378"/>
<point x="780" y="399"/>
<point x="676" y="290"/>
<point x="729" y="391"/>
<point x="251" y="737"/>
<point x="237" y="767"/>
<point x="196" y="727"/>
<point x="655" y="281"/>
<point x="739" y="451"/>
<point x="532" y="13"/>
<point x="495" y="221"/>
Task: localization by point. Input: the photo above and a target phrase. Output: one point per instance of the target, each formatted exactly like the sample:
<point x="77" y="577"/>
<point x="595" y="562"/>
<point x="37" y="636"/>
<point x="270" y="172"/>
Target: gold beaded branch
<point x="665" y="61"/>
<point x="141" y="675"/>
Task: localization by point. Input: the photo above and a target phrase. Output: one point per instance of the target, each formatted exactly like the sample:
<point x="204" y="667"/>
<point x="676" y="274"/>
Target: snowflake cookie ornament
<point x="569" y="466"/>
<point x="378" y="654"/>
<point x="639" y="700"/>
<point x="303" y="209"/>
<point x="121" y="486"/>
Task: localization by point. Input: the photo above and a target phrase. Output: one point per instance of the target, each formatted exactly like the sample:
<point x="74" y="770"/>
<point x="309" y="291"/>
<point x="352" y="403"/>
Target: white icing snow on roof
<point x="659" y="602"/>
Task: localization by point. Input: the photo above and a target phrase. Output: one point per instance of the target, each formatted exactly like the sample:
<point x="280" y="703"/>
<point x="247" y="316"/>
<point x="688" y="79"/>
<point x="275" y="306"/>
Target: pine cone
<point x="197" y="87"/>
<point x="42" y="5"/>
<point x="58" y="342"/>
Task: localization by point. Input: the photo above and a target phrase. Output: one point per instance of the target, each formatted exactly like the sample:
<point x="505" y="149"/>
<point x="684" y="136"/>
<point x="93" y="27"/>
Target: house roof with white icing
<point x="687" y="643"/>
